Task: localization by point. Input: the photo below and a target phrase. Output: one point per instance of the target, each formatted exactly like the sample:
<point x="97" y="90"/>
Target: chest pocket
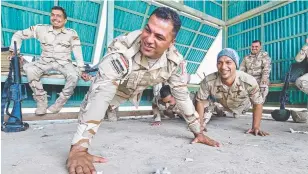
<point x="161" y="77"/>
<point x="63" y="46"/>
<point x="134" y="79"/>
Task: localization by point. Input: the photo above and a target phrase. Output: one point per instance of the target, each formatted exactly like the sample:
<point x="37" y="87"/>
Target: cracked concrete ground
<point x="133" y="146"/>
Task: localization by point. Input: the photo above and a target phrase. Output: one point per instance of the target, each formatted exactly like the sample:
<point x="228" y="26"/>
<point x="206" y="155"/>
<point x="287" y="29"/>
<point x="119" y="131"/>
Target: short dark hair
<point x="165" y="91"/>
<point x="169" y="14"/>
<point x="60" y="8"/>
<point x="257" y="41"/>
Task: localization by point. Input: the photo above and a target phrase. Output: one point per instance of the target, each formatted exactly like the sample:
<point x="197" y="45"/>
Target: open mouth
<point x="147" y="47"/>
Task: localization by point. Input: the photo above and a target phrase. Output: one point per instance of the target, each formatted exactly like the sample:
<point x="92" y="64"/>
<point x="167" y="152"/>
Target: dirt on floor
<point x="133" y="146"/>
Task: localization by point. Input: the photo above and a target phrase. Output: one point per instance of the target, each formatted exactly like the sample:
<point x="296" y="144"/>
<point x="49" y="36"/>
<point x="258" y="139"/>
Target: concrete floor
<point x="133" y="146"/>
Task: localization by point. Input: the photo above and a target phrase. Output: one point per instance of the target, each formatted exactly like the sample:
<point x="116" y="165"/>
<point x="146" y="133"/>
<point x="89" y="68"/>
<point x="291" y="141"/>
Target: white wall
<point x="208" y="64"/>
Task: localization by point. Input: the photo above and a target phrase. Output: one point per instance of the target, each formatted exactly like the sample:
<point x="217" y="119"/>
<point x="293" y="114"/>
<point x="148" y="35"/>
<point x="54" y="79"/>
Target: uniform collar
<point x="142" y="60"/>
<point x="222" y="87"/>
<point x="63" y="30"/>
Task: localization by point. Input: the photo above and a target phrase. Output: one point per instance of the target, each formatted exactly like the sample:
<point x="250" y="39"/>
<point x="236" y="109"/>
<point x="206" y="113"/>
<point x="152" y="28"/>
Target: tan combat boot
<point x="112" y="114"/>
<point x="41" y="104"/>
<point x="57" y="106"/>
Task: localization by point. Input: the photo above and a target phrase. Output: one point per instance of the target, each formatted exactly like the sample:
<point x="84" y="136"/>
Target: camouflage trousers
<point x="302" y="83"/>
<point x="34" y="71"/>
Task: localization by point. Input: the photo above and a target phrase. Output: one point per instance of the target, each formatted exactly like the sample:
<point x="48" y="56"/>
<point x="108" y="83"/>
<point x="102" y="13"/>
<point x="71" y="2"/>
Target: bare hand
<point x="156" y="123"/>
<point x="85" y="76"/>
<point x="257" y="131"/>
<point x="21" y="59"/>
<point x="203" y="139"/>
<point x="81" y="162"/>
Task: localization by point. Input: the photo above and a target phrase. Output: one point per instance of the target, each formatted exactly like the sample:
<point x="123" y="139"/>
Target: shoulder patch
<point x="246" y="78"/>
<point x="211" y="77"/>
<point x="182" y="68"/>
<point x="173" y="55"/>
<point x="264" y="53"/>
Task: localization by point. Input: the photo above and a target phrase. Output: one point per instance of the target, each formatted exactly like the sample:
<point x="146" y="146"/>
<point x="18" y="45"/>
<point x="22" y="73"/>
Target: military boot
<point x="112" y="114"/>
<point x="57" y="106"/>
<point x="299" y="116"/>
<point x="41" y="104"/>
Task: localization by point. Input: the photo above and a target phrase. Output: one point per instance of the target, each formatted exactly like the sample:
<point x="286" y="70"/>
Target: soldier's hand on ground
<point x="81" y="162"/>
<point x="156" y="123"/>
<point x="203" y="139"/>
<point x="257" y="131"/>
<point x="85" y="76"/>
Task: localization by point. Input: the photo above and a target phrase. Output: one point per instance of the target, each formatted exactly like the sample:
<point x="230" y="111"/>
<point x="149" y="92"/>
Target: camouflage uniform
<point x="235" y="99"/>
<point x="259" y="66"/>
<point x="56" y="55"/>
<point x="161" y="107"/>
<point x="123" y="74"/>
<point x="302" y="82"/>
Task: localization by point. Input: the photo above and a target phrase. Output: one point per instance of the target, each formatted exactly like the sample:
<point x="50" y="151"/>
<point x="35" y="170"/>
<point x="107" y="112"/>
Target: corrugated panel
<point x="244" y="40"/>
<point x="121" y="22"/>
<point x="192" y="68"/>
<point x="250" y="23"/>
<point x="86" y="32"/>
<point x="238" y="7"/>
<point x="82" y="10"/>
<point x="282" y="28"/>
<point x="38" y="5"/>
<point x="117" y="33"/>
<point x="151" y="9"/>
<point x="195" y="55"/>
<point x="286" y="10"/>
<point x="208" y="7"/>
<point x="138" y="6"/>
<point x="195" y="4"/>
<point x="206" y="29"/>
<point x="213" y="9"/>
<point x="181" y="49"/>
<point x="203" y="42"/>
<point x="185" y="37"/>
<point x="189" y="23"/>
<point x="15" y="19"/>
<point x="282" y="59"/>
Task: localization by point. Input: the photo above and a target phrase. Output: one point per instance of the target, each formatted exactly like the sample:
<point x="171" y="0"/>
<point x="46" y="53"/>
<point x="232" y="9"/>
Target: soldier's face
<point x="169" y="100"/>
<point x="57" y="19"/>
<point x="255" y="48"/>
<point x="156" y="37"/>
<point x="226" y="67"/>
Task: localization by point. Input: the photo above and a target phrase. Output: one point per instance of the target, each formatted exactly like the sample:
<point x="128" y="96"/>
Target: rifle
<point x="296" y="70"/>
<point x="14" y="91"/>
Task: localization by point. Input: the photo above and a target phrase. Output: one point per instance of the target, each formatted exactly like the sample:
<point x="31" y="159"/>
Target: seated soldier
<point x="302" y="84"/>
<point x="234" y="90"/>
